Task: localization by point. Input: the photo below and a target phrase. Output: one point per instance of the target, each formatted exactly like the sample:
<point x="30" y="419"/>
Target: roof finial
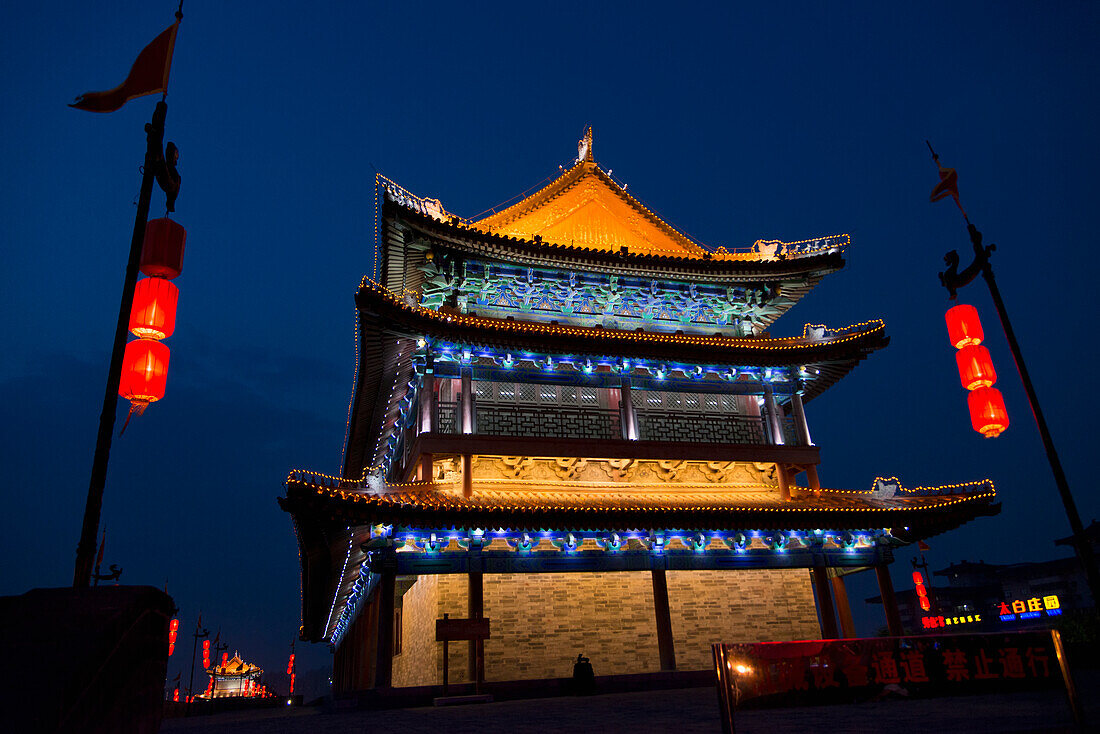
<point x="584" y="146"/>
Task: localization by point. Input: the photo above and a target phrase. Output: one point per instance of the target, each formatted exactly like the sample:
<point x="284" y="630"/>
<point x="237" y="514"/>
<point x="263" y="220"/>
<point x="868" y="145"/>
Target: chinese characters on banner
<point x="841" y="671"/>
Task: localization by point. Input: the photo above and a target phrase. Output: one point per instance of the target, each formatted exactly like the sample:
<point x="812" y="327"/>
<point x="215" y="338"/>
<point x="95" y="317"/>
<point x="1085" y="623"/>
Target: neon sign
<point x="1032" y="608"/>
<point x="931" y="623"/>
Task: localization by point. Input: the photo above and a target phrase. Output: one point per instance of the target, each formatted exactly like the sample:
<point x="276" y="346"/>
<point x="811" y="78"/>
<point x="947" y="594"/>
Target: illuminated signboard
<point x="1032" y="608"/>
<point x="931" y="623"/>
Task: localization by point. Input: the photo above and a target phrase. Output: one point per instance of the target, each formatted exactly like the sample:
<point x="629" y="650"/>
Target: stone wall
<point x="541" y="621"/>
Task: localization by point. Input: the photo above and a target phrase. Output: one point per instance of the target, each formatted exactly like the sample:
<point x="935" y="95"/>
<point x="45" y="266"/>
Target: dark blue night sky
<point x="732" y="124"/>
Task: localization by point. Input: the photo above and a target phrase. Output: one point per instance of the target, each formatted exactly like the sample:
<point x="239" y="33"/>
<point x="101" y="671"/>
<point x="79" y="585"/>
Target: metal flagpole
<point x="952" y="280"/>
<point x="85" y="549"/>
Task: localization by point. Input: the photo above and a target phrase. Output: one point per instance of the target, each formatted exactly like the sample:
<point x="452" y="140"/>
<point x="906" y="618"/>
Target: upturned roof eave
<point x="379" y="305"/>
<point x="704" y="265"/>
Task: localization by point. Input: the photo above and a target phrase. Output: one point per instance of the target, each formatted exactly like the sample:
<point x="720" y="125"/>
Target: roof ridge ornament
<point x="584" y="147"/>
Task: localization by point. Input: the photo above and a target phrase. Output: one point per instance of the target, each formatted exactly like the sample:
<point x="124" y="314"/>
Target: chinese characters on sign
<point x="1032" y="608"/>
<point x="931" y="623"/>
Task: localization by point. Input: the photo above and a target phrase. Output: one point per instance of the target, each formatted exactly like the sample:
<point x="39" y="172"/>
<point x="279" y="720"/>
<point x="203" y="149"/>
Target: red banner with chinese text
<point x="854" y="670"/>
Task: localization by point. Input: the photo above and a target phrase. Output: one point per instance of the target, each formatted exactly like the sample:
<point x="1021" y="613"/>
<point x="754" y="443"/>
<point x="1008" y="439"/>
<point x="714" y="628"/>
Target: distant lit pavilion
<point x="571" y="418"/>
<point x="234" y="678"/>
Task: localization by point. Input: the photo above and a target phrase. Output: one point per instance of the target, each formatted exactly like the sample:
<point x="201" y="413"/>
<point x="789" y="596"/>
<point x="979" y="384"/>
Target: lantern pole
<point x="194" y="648"/>
<point x="952" y="280"/>
<point x="154" y="157"/>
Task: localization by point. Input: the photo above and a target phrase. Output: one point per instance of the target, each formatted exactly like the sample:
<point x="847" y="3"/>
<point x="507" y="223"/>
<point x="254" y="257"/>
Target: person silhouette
<point x="584" y="679"/>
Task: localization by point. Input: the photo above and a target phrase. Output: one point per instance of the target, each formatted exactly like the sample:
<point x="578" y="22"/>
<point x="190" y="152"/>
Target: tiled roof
<point x="562" y="504"/>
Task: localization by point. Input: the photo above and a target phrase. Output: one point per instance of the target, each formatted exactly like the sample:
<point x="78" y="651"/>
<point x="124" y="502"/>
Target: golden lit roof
<point x="584" y="207"/>
<point x="564" y="500"/>
<point x="236" y="666"/>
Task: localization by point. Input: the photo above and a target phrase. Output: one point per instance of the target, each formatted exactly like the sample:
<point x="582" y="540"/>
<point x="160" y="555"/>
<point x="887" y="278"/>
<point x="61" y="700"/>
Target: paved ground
<point x="686" y="711"/>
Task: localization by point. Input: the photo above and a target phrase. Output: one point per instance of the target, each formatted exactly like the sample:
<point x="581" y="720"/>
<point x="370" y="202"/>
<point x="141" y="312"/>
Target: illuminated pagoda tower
<point x="234" y="678"/>
<point x="570" y="418"/>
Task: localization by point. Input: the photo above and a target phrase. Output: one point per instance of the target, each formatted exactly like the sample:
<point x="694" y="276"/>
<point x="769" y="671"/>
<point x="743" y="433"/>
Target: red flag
<point x="149" y="75"/>
<point x="948" y="185"/>
<point x="923" y="546"/>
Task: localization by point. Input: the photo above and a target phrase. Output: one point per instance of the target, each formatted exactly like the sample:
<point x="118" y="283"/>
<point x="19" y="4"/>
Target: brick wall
<point x="738" y="606"/>
<point x="418" y="650"/>
<point x="541" y="621"/>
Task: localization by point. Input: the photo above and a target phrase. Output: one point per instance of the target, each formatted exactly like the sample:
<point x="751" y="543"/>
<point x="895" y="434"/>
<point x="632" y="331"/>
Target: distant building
<point x="987" y="597"/>
<point x="234" y="678"/>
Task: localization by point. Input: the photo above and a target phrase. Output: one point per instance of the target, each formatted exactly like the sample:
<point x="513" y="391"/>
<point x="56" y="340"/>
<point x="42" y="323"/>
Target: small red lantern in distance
<point x="153" y="315"/>
<point x="922" y="593"/>
<point x="176" y="696"/>
<point x="964" y="328"/>
<point x="975" y="367"/>
<point x="173" y="628"/>
<point x="162" y="251"/>
<point x="987" y="411"/>
<point x="144" y="373"/>
<point x="225" y="659"/>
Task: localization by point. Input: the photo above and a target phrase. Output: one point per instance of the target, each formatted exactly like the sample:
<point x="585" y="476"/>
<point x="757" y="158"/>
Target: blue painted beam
<point x="448" y="562"/>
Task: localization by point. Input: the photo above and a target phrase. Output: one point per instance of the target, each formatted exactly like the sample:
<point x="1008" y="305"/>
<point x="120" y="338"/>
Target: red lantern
<point x="176" y="696"/>
<point x="922" y="593"/>
<point x="964" y="328"/>
<point x="162" y="251"/>
<point x="975" y="367"/>
<point x="225" y="659"/>
<point x="173" y="628"/>
<point x="987" y="411"/>
<point x="154" y="313"/>
<point x="144" y="372"/>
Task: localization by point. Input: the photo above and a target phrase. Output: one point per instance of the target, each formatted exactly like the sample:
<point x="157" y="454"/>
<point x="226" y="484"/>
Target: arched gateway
<point x="570" y="418"/>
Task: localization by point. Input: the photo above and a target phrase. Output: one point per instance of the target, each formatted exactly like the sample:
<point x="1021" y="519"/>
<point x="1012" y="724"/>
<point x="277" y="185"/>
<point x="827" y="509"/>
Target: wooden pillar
<point x="820" y="576"/>
<point x="466" y="400"/>
<point x="475" y="608"/>
<point x="467" y="475"/>
<point x="628" y="417"/>
<point x="800" y="424"/>
<point x="387" y="587"/>
<point x="889" y="601"/>
<point x="664" y="620"/>
<point x="427" y="399"/>
<point x="772" y="407"/>
<point x="466" y="414"/>
<point x="843" y="609"/>
<point x="368" y="647"/>
<point x="812" y="478"/>
<point x="338" y="668"/>
<point x="784" y="482"/>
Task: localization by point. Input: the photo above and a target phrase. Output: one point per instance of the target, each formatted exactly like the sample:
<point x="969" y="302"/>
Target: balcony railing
<point x="538" y="421"/>
<point x="566" y="421"/>
<point x="663" y="425"/>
